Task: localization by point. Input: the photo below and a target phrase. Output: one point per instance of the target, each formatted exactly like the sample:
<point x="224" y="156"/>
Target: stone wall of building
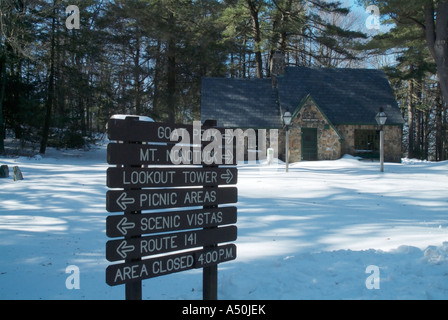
<point x="329" y="143"/>
<point x="348" y="134"/>
<point x="392" y="140"/>
<point x="328" y="140"/>
<point x="393" y="136"/>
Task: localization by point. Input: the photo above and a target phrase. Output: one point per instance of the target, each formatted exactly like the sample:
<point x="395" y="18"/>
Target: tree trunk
<point x="411" y="120"/>
<point x="437" y="40"/>
<point x="2" y="96"/>
<point x="418" y="149"/>
<point x="50" y="94"/>
<point x="444" y="132"/>
<point x="243" y="58"/>
<point x="439" y="125"/>
<point x="171" y="72"/>
<point x="257" y="37"/>
<point x="426" y="131"/>
<point x="157" y="75"/>
<point x="137" y="82"/>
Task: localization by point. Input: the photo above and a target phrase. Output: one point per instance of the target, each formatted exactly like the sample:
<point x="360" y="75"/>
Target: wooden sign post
<point x="146" y="176"/>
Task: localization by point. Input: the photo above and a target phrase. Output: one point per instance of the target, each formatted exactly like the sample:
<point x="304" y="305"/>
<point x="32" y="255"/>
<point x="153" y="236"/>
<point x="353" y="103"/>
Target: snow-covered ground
<point x="310" y="233"/>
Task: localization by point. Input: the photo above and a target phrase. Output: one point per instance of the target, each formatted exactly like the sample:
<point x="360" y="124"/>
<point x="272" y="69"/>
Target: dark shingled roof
<point x="240" y="103"/>
<point x="346" y="96"/>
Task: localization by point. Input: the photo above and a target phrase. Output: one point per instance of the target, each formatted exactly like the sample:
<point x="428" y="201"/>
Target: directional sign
<point x="166" y="166"/>
<point x="137" y="224"/>
<point x="150" y="199"/>
<point x="153" y="154"/>
<point x="122" y="273"/>
<point x="167" y="242"/>
<point x="144" y="131"/>
<point x="170" y="177"/>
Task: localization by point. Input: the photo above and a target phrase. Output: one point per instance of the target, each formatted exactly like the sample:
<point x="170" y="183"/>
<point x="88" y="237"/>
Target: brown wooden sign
<point x="170" y="177"/>
<point x="167" y="242"/>
<point x="152" y="199"/>
<point x="158" y="166"/>
<point x="129" y="272"/>
<point x="144" y="131"/>
<point x="131" y="225"/>
<point x="158" y="154"/>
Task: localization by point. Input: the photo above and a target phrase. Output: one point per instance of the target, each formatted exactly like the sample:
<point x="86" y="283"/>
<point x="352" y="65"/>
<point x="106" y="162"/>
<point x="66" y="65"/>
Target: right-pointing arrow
<point x="228" y="156"/>
<point x="228" y="176"/>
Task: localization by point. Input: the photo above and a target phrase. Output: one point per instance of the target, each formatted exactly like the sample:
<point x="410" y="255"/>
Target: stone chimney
<point x="277" y="66"/>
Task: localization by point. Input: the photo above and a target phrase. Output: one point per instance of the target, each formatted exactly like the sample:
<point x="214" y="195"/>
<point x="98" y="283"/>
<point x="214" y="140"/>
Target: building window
<point x="367" y="141"/>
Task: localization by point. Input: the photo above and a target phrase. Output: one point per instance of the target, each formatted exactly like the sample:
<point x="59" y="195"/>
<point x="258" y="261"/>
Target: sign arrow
<point x="122" y="201"/>
<point x="228" y="138"/>
<point x="151" y="199"/>
<point x="116" y="225"/>
<point x="167" y="242"/>
<point x="228" y="157"/>
<point x="124" y="225"/>
<point x="228" y="176"/>
<point x="122" y="249"/>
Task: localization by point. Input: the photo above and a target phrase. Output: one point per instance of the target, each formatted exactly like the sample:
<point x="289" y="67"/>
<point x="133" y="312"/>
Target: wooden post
<point x="133" y="290"/>
<point x="210" y="283"/>
<point x="210" y="274"/>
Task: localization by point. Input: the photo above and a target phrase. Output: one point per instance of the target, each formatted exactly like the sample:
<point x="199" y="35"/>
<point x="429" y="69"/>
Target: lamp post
<point x="381" y="118"/>
<point x="287" y="117"/>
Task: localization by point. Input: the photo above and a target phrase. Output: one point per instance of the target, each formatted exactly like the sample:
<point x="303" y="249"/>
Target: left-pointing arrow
<point x="124" y="225"/>
<point x="123" y="202"/>
<point x="122" y="249"/>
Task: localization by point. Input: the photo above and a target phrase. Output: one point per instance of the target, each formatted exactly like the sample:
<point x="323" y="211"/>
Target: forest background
<point x="63" y="74"/>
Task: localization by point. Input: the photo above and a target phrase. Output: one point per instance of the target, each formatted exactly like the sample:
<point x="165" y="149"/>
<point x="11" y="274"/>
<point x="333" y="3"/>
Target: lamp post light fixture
<point x="287" y="117"/>
<point x="381" y="119"/>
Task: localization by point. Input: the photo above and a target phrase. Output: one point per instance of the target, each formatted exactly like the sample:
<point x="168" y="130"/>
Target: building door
<point x="309" y="144"/>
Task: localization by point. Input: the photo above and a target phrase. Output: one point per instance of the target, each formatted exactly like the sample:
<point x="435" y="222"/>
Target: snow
<point x="124" y="116"/>
<point x="310" y="233"/>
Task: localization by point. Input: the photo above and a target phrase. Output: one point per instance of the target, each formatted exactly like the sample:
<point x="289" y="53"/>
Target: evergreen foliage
<point x="58" y="86"/>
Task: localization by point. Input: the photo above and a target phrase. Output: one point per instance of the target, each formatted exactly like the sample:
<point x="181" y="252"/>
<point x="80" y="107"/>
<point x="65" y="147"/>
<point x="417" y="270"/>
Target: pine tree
<point x="417" y="66"/>
<point x="430" y="18"/>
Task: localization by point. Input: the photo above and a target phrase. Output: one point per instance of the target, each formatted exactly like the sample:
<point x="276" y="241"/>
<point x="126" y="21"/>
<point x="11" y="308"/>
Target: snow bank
<point x="404" y="273"/>
<point x="310" y="233"/>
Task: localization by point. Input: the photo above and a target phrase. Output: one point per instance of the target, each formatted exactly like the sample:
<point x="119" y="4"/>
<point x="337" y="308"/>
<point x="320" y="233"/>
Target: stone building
<point x="333" y="110"/>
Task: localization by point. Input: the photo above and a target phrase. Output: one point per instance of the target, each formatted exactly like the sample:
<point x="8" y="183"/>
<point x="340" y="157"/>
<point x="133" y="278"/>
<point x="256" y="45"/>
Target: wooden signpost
<point x="151" y="199"/>
<point x="170" y="177"/>
<point x="124" y="273"/>
<point x="167" y="242"/>
<point x="133" y="225"/>
<point x="147" y="177"/>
